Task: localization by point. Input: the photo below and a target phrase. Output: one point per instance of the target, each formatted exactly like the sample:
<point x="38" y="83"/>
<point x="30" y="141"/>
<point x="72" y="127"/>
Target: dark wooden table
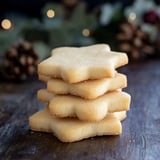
<point x="140" y="139"/>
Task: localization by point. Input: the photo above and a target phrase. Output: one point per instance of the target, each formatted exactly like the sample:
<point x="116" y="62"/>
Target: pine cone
<point x="20" y="61"/>
<point x="134" y="41"/>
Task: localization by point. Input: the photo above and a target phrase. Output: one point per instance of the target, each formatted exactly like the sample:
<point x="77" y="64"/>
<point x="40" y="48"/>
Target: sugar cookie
<point x="90" y="89"/>
<point x="90" y="110"/>
<point x="79" y="64"/>
<point x="72" y="129"/>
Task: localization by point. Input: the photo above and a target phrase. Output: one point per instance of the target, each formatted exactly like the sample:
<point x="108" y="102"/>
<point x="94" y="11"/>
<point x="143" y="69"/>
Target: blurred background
<point x="29" y="30"/>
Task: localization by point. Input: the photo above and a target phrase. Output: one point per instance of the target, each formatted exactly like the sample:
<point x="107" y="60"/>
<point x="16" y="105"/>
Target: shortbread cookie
<point x="79" y="64"/>
<point x="90" y="89"/>
<point x="72" y="129"/>
<point x="90" y="110"/>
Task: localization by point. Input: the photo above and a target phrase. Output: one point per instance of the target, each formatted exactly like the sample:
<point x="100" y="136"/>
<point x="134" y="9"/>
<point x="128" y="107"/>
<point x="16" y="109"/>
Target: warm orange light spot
<point x="50" y="13"/>
<point x="6" y="24"/>
<point x="86" y="32"/>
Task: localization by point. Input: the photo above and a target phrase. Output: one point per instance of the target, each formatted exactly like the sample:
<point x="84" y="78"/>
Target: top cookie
<point x="78" y="64"/>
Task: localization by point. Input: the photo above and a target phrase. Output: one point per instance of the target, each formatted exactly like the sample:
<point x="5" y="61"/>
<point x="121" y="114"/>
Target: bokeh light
<point x="50" y="13"/>
<point x="86" y="32"/>
<point x="132" y="17"/>
<point x="6" y="24"/>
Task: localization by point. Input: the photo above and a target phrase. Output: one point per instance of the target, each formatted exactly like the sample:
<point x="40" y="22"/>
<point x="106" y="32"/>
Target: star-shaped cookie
<point x="71" y="129"/>
<point x="86" y="110"/>
<point x="78" y="64"/>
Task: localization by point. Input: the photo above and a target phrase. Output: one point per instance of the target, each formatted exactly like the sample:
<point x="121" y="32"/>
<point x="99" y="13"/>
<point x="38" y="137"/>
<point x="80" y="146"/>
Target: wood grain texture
<point x="140" y="139"/>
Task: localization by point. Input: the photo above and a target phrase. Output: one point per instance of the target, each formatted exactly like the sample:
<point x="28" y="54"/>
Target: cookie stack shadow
<point x="83" y="93"/>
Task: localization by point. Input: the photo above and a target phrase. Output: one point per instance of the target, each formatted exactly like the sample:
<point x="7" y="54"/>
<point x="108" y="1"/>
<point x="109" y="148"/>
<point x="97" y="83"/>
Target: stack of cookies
<point x="84" y="93"/>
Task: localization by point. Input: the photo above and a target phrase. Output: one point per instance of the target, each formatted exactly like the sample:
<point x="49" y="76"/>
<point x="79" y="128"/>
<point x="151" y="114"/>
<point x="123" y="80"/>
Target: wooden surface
<point x="140" y="139"/>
